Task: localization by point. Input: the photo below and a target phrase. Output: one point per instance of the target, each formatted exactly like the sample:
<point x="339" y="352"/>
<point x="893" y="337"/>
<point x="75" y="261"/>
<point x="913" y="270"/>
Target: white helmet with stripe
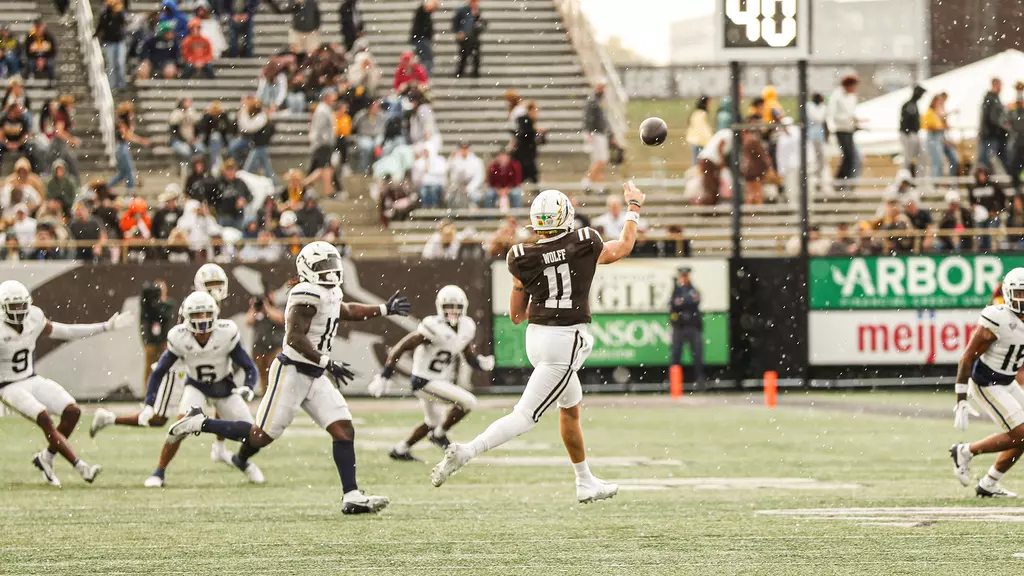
<point x="552" y="211"/>
<point x="15" y="301"/>
<point x="211" y="278"/>
<point x="1013" y="290"/>
<point x="200" y="311"/>
<point x="319" y="263"/>
<point x="451" y="304"/>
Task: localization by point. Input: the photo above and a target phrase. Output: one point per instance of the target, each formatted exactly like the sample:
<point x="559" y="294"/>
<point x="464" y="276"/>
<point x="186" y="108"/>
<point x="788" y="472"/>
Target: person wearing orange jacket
<point x="136" y="223"/>
<point x="196" y="52"/>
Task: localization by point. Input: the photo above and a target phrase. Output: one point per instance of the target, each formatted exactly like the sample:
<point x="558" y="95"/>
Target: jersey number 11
<point x="559" y="286"/>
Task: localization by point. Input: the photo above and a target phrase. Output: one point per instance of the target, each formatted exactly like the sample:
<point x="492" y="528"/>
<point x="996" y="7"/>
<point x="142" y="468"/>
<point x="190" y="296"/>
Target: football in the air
<point x="653" y="131"/>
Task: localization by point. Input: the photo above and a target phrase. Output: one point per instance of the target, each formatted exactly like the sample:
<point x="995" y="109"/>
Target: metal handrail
<point x="596" y="64"/>
<point x="102" y="97"/>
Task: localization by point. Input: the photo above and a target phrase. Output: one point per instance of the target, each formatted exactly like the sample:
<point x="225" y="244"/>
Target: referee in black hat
<point x="687" y="324"/>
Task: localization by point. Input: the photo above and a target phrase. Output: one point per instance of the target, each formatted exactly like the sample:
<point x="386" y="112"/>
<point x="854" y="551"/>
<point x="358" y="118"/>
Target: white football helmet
<point x="319" y="263"/>
<point x="451" y="304"/>
<point x="552" y="211"/>
<point x="200" y="311"/>
<point x="1013" y="290"/>
<point x="15" y="302"/>
<point x="211" y="278"/>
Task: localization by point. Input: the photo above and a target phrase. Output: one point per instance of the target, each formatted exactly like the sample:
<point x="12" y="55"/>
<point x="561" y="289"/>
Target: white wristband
<point x="633" y="217"/>
<point x="384" y="309"/>
<point x="324" y="359"/>
<point x="960" y="388"/>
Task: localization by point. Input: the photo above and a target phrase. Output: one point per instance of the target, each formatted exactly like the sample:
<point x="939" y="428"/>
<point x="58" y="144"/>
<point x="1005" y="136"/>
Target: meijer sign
<point x="890" y="337"/>
<point x="914" y="282"/>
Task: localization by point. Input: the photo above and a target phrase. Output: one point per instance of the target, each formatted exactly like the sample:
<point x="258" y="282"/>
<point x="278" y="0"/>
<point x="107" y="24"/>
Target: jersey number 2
<point x="19" y="363"/>
<point x="559" y="286"/>
<point x="440" y="361"/>
<point x="1015" y="366"/>
<point x="328" y="338"/>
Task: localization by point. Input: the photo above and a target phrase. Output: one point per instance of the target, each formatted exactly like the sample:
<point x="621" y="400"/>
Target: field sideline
<point x="828" y="483"/>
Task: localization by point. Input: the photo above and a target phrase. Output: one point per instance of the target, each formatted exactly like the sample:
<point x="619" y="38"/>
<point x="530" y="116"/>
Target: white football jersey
<point x="210" y="363"/>
<point x="1006" y="355"/>
<point x="433" y="359"/>
<point x="18" y="349"/>
<point x="327" y="302"/>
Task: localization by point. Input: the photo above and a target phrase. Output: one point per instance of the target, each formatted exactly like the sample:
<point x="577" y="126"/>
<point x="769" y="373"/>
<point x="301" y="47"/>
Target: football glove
<point x="146" y="415"/>
<point x="340" y="372"/>
<point x="119" y="322"/>
<point x="960" y="415"/>
<point x="397" y="305"/>
<point x="245" y="392"/>
<point x="486" y="363"/>
<point x="379" y="386"/>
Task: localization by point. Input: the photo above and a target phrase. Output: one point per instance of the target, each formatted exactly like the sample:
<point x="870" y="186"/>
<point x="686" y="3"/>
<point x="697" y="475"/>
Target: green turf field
<point x="713" y="485"/>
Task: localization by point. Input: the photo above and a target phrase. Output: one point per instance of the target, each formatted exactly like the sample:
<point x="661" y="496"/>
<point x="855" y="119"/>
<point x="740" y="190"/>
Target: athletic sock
<point x="233" y="429"/>
<point x="582" y="470"/>
<point x="159" y="473"/>
<point x="49" y="453"/>
<point x="500" y="431"/>
<point x="81" y="466"/>
<point x="994" y="474"/>
<point x="345" y="460"/>
<point x="246" y="451"/>
<point x="440" y="432"/>
<point x="220" y="441"/>
<point x="402" y="447"/>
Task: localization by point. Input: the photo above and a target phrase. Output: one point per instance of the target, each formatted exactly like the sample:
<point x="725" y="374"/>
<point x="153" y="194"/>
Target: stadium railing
<point x="102" y="97"/>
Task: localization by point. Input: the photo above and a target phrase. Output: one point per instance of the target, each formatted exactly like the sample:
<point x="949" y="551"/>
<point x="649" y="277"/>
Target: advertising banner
<point x="629" y="304"/>
<point x="96" y="367"/>
<point x="907" y="282"/>
<point x="890" y="337"/>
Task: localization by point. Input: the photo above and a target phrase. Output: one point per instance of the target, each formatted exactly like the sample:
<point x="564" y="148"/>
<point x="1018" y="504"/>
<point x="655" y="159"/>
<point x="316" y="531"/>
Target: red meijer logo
<point x="925" y="335"/>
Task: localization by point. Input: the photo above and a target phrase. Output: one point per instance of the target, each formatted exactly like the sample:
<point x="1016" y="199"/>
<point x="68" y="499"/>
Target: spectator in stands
<point x="15" y="94"/>
<point x="526" y="139"/>
<point x="935" y="125"/>
<point x="368" y="127"/>
<point x="135" y="222"/>
<point x="910" y="127"/>
<point x="161" y="53"/>
<point x="956" y="218"/>
<point x="200" y="184"/>
<point x="322" y="142"/>
<point x="698" y="128"/>
<point x="710" y="162"/>
<point x="421" y="35"/>
<point x="817" y="114"/>
<point x="264" y="250"/>
<point x="241" y="32"/>
<point x="311" y="217"/>
<point x="305" y="30"/>
<point x="288" y="227"/>
<point x="986" y="197"/>
<point x="255" y="124"/>
<point x="614" y="219"/>
<point x="920" y="219"/>
<point x="40" y="51"/>
<point x="842" y="121"/>
<point x="429" y="172"/>
<point x="268" y="214"/>
<point x="1015" y="120"/>
<point x="215" y="129"/>
<point x="363" y="70"/>
<point x="468" y="25"/>
<point x="272" y="88"/>
<point x="231" y="197"/>
<point x="21" y="187"/>
<point x="184" y="137"/>
<point x="210" y="28"/>
<point x="817" y="245"/>
<point x="504" y="179"/>
<point x="15" y="135"/>
<point x="444" y="244"/>
<point x="423" y="124"/>
<point x="331" y="232"/>
<point x="23" y="227"/>
<point x="61" y="186"/>
<point x="466" y="177"/>
<point x="351" y="20"/>
<point x="197" y="225"/>
<point x="396" y="200"/>
<point x="10" y="52"/>
<point x="124" y="132"/>
<point x="596" y="130"/>
<point x="196" y="52"/>
<point x="756" y="165"/>
<point x="408" y="73"/>
<point x="170" y="13"/>
<point x="166" y="217"/>
<point x="294" y="191"/>
<point x="299" y="86"/>
<point x="506" y="236"/>
<point x="994" y="131"/>
<point x="343" y="135"/>
<point x="1015" y="220"/>
<point x="111" y="29"/>
<point x="56" y="123"/>
<point x="46" y="241"/>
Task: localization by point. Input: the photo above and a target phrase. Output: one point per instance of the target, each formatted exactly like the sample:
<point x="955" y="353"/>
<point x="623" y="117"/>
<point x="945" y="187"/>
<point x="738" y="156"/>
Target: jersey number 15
<point x="1015" y="361"/>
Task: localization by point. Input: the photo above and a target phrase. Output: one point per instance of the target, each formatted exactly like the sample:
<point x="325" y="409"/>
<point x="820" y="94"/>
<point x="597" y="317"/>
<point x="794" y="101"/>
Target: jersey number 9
<point x="19" y="363"/>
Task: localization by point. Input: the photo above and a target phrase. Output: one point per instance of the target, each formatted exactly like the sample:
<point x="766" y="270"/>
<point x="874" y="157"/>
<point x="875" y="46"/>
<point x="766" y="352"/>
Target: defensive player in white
<point x="212" y="279"/>
<point x="436" y="343"/>
<point x="987" y="373"/>
<point x="207" y="346"/>
<point x="299" y="375"/>
<point x="31" y="395"/>
<point x="551" y="288"/>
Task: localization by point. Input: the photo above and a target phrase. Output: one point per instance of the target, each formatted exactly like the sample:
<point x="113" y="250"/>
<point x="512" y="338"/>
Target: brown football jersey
<point x="557" y="274"/>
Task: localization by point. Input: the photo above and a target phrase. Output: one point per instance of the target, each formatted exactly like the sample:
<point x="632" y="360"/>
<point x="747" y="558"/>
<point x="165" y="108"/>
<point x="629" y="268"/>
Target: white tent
<point x="966" y="87"/>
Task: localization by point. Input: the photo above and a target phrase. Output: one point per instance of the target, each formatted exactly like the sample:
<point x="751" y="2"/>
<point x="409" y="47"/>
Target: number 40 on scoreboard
<point x="764" y="30"/>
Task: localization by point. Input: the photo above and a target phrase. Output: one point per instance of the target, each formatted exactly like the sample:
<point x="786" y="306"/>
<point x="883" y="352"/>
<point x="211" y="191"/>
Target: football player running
<point x="212" y="279"/>
<point x="436" y="343"/>
<point x="31" y="395"/>
<point x="207" y="346"/>
<point x="988" y="373"/>
<point x="299" y="375"/>
<point x="551" y="288"/>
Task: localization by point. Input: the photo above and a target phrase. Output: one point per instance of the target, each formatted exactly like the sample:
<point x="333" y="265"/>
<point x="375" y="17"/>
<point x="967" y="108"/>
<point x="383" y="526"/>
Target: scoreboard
<point x="763" y="30"/>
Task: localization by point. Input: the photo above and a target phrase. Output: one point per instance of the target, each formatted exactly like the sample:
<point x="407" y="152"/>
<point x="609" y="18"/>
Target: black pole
<point x="734" y="160"/>
<point x="805" y="220"/>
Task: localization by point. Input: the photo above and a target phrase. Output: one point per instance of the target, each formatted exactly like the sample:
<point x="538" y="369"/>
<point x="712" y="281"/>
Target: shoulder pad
<point x="516" y="251"/>
<point x="306" y="293"/>
<point x="468" y="325"/>
<point x="35" y="313"/>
